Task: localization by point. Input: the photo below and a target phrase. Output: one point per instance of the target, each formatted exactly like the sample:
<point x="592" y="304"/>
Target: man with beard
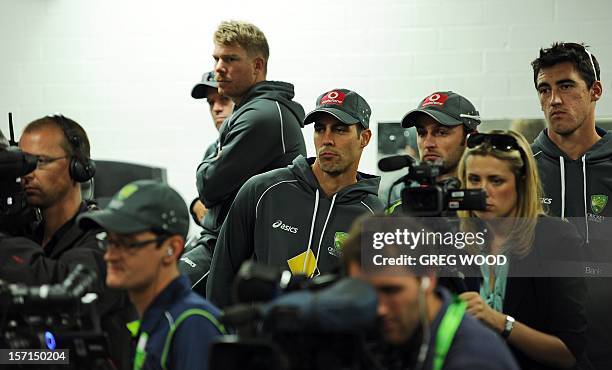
<point x="443" y="121"/>
<point x="269" y="221"/>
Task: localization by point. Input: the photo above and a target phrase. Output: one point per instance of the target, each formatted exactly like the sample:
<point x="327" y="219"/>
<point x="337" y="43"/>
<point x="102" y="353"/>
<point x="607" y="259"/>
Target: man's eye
<point x="543" y="90"/>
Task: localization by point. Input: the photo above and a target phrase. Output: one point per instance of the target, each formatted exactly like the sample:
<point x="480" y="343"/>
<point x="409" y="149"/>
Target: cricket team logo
<point x="598" y="203"/>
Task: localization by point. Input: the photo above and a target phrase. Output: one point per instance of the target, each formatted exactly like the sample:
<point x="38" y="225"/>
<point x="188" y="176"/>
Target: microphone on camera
<point x="395" y="162"/>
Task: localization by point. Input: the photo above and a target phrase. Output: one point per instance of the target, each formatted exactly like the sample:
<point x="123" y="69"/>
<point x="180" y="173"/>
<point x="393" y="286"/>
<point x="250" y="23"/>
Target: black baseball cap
<point x="200" y="90"/>
<point x="346" y="105"/>
<point x="446" y="107"/>
<point x="143" y="205"/>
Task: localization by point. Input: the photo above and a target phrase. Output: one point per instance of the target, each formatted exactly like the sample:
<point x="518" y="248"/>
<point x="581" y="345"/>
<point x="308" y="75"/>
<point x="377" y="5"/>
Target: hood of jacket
<point x="279" y="91"/>
<point x="366" y="185"/>
<point x="601" y="151"/>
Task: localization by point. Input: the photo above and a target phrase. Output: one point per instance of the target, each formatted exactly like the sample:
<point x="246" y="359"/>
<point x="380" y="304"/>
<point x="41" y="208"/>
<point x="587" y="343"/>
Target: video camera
<point x="296" y="323"/>
<point x="430" y="197"/>
<point x="58" y="316"/>
<point x="15" y="215"/>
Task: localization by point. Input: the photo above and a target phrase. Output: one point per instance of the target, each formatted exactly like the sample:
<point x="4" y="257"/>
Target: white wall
<point x="124" y="69"/>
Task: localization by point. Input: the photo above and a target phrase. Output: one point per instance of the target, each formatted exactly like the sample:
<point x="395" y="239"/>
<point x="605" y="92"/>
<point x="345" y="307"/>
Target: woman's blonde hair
<point x="528" y="188"/>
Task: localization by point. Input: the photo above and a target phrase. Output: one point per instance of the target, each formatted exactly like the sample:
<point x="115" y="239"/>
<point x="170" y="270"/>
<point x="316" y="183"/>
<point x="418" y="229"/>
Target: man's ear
<point x="175" y="243"/>
<point x="596" y="91"/>
<point x="260" y="65"/>
<point x="366" y="135"/>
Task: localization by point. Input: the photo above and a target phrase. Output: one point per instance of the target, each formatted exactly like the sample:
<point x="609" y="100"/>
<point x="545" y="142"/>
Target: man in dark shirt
<point x="62" y="148"/>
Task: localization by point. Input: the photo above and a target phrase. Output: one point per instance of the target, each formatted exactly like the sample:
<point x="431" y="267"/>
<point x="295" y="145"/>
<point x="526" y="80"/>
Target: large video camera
<point x="15" y="215"/>
<point x="58" y="316"/>
<point x="307" y="323"/>
<point x="429" y="197"/>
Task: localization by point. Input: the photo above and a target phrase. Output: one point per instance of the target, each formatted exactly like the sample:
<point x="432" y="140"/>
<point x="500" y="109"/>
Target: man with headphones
<point x="146" y="224"/>
<point x="53" y="188"/>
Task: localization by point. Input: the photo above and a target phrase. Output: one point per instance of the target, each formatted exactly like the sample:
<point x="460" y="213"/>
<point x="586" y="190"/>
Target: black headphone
<point x="81" y="168"/>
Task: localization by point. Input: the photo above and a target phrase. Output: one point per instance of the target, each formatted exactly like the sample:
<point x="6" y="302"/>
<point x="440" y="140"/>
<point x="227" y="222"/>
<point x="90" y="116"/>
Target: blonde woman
<point x="541" y="317"/>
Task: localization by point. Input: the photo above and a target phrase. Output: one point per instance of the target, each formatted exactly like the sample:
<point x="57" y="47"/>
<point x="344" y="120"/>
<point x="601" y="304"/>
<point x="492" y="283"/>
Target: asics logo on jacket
<point x="282" y="226"/>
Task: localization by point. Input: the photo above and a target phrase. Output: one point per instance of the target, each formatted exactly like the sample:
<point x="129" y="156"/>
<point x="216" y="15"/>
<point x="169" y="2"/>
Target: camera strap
<point x="447" y="330"/>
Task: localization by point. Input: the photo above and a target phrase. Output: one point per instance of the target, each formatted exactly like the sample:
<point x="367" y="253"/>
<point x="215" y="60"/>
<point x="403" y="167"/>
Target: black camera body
<point x="16" y="218"/>
<point x="431" y="198"/>
<point x="57" y="316"/>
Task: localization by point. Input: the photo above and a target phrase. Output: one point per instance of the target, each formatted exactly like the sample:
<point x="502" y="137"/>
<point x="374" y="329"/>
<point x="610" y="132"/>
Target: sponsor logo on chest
<point x="279" y="224"/>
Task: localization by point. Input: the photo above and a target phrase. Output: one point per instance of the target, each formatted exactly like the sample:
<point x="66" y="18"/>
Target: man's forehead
<point x="48" y="136"/>
<point x="557" y="72"/>
<point x="228" y="49"/>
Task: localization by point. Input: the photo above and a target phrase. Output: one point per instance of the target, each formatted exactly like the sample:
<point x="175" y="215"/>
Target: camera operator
<point x="421" y="324"/>
<point x="268" y="221"/>
<point x="146" y="224"/>
<point x="58" y="245"/>
<point x="443" y="121"/>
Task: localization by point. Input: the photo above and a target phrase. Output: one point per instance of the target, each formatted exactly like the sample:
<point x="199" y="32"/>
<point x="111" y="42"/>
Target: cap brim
<point x="340" y="115"/>
<point x="409" y="119"/>
<point x="200" y="91"/>
<point x="112" y="221"/>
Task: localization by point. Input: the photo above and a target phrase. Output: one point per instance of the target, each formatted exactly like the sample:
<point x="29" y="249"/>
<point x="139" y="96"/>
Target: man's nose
<point x="328" y="138"/>
<point x="429" y="141"/>
<point x="555" y="98"/>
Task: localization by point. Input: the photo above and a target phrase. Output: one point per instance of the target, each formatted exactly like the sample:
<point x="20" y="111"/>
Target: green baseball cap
<point x="446" y="107"/>
<point x="346" y="105"/>
<point x="143" y="205"/>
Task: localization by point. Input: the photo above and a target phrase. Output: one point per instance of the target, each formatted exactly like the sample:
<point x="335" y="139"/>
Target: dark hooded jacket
<point x="263" y="133"/>
<point x="279" y="216"/>
<point x="579" y="190"/>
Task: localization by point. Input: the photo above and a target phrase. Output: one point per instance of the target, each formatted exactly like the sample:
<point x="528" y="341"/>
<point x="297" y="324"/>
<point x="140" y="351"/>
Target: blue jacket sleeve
<point x="247" y="149"/>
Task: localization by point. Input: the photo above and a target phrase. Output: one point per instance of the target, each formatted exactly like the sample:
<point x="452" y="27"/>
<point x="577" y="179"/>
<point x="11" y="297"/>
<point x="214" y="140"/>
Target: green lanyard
<point x="141" y="354"/>
<point x="447" y="330"/>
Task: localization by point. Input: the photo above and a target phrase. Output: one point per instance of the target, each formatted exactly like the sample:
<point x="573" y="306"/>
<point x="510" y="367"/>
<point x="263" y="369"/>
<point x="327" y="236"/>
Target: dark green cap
<point x="446" y="107"/>
<point x="200" y="90"/>
<point x="143" y="205"/>
<point x="346" y="105"/>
